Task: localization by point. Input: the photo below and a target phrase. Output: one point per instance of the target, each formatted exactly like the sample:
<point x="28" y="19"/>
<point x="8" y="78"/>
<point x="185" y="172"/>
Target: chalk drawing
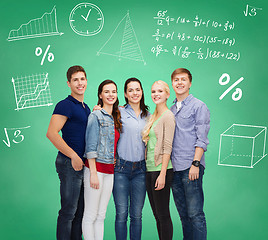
<point x="39" y="51"/>
<point x="39" y="27"/>
<point x="242" y="146"/>
<point x="123" y="42"/>
<point x="237" y="94"/>
<point x="86" y="19"/>
<point x="251" y="11"/>
<point x="16" y="137"/>
<point x="32" y="91"/>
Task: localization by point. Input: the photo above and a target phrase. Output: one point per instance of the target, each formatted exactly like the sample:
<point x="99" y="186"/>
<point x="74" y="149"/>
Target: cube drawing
<point x="242" y="146"/>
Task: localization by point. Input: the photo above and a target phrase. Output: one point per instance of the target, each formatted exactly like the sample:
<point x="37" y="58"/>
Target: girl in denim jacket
<point x="102" y="134"/>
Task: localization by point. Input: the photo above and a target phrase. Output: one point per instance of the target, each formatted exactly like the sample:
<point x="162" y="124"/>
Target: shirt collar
<point x="186" y="100"/>
<point x="127" y="106"/>
<point x="71" y="98"/>
<point x="130" y="110"/>
<point x="105" y="113"/>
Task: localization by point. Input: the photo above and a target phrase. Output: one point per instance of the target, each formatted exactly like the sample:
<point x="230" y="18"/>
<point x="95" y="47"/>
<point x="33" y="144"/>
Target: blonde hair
<point x="148" y="126"/>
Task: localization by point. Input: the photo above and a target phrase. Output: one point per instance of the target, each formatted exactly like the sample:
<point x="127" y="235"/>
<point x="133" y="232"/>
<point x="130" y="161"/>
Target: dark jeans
<point x="129" y="194"/>
<point x="159" y="201"/>
<point x="69" y="224"/>
<point x="189" y="199"/>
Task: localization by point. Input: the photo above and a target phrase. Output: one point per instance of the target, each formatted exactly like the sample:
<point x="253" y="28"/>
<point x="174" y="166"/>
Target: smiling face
<point x="159" y="93"/>
<point x="133" y="92"/>
<point x="181" y="85"/>
<point x="108" y="94"/>
<point x="78" y="84"/>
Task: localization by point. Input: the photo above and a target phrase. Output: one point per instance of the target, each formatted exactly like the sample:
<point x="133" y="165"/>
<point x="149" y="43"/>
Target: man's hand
<point x="193" y="173"/>
<point x="77" y="163"/>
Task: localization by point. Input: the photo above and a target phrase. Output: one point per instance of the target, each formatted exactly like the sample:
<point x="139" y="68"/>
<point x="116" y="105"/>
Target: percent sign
<point x="237" y="94"/>
<point x="50" y="57"/>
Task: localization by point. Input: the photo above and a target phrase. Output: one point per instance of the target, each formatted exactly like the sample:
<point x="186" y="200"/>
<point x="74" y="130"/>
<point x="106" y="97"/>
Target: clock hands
<point x="86" y="18"/>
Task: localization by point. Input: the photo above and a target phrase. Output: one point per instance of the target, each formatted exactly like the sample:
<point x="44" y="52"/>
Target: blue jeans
<point x="129" y="194"/>
<point x="69" y="224"/>
<point x="189" y="199"/>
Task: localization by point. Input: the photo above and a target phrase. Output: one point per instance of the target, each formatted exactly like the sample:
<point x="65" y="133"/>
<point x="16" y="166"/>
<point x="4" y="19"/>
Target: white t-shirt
<point x="178" y="106"/>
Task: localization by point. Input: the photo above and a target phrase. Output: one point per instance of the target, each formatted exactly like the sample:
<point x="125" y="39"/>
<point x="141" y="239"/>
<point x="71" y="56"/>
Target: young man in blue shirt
<point x="70" y="117"/>
<point x="190" y="142"/>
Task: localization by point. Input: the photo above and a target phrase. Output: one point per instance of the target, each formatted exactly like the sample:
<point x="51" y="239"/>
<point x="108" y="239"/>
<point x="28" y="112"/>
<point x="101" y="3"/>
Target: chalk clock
<point x="86" y="19"/>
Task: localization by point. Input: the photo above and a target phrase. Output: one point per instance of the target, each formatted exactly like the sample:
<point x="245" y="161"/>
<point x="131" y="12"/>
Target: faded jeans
<point x="189" y="199"/>
<point x="69" y="224"/>
<point x="129" y="195"/>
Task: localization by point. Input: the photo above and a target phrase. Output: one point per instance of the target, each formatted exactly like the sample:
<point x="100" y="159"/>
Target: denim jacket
<point x="100" y="137"/>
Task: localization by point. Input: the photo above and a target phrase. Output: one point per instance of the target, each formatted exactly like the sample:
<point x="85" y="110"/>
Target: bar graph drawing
<point x="32" y="91"/>
<point x="123" y="42"/>
<point x="40" y="27"/>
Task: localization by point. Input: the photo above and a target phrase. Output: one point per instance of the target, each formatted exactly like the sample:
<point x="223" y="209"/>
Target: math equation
<point x="217" y="43"/>
<point x="14" y="135"/>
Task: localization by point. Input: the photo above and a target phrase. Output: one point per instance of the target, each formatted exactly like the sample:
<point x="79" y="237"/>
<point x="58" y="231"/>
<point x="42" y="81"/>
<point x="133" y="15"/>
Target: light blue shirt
<point x="191" y="131"/>
<point x="130" y="146"/>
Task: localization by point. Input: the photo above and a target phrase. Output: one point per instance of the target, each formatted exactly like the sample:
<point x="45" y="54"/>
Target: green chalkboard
<point x="223" y="44"/>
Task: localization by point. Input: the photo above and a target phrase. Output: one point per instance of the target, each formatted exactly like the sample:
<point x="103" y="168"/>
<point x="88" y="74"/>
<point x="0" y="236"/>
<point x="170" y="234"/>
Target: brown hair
<point x="116" y="113"/>
<point x="75" y="69"/>
<point x="181" y="70"/>
<point x="143" y="107"/>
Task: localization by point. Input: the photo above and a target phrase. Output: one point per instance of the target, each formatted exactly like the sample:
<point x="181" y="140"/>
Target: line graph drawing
<point x="39" y="27"/>
<point x="242" y="146"/>
<point x="32" y="91"/>
<point x="123" y="42"/>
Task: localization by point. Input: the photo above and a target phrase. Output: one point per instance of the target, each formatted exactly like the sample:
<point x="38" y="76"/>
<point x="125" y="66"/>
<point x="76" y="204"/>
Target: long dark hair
<point x="143" y="107"/>
<point x="116" y="113"/>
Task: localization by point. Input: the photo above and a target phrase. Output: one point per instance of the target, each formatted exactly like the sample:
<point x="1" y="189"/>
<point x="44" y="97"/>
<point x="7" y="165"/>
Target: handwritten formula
<point x="14" y="135"/>
<point x="186" y="52"/>
<point x="162" y="19"/>
<point x="169" y="38"/>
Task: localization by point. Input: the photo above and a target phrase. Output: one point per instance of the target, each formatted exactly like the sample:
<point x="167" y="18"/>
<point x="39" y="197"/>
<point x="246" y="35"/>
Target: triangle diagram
<point x="123" y="42"/>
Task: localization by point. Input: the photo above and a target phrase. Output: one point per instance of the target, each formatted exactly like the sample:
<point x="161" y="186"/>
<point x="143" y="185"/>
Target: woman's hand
<point x="97" y="107"/>
<point x="94" y="180"/>
<point x="160" y="182"/>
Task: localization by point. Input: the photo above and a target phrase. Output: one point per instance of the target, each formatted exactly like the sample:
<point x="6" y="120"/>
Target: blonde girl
<point x="158" y="135"/>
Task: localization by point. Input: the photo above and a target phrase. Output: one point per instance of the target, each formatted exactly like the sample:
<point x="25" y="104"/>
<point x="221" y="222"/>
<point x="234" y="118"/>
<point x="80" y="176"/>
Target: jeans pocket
<point x="117" y="168"/>
<point x="190" y="184"/>
<point x="120" y="166"/>
<point x="60" y="162"/>
<point x="143" y="167"/>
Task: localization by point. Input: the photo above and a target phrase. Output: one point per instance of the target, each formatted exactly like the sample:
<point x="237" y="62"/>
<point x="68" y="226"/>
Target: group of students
<point x="127" y="151"/>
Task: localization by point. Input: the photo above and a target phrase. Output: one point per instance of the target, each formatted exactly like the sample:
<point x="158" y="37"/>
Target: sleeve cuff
<point x="201" y="145"/>
<point x="90" y="155"/>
